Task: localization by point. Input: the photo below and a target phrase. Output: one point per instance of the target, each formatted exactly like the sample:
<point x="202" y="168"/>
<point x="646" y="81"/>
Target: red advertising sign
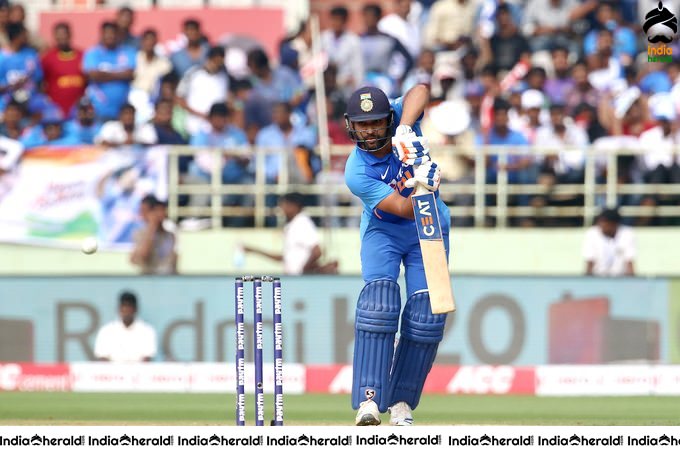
<point x="28" y="377"/>
<point x="215" y="24"/>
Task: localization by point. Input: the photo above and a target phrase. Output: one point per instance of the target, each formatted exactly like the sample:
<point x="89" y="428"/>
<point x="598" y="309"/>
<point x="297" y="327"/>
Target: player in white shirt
<point x="609" y="247"/>
<point x="127" y="339"/>
<point x="301" y="246"/>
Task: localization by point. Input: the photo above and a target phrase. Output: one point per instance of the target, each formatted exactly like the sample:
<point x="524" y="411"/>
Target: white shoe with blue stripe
<point x="400" y="414"/>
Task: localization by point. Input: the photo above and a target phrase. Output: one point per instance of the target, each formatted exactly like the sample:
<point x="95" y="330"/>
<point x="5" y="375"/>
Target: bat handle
<point x="420" y="189"/>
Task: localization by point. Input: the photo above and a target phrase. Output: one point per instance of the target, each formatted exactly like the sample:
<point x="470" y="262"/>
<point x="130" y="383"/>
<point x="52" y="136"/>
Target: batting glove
<point x="403" y="129"/>
<point x="427" y="174"/>
<point x="410" y="148"/>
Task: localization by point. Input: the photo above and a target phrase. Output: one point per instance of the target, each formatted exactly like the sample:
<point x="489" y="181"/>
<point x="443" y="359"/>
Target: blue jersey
<point x="24" y="63"/>
<point x="17" y="65"/>
<point x="272" y="136"/>
<point x="231" y="137"/>
<point x="108" y="97"/>
<point x="388" y="241"/>
<point x="35" y="137"/>
<point x="373" y="179"/>
<point x="84" y="134"/>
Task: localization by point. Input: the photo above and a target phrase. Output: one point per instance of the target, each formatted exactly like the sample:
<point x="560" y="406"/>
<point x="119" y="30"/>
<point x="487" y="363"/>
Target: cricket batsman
<point x="389" y="160"/>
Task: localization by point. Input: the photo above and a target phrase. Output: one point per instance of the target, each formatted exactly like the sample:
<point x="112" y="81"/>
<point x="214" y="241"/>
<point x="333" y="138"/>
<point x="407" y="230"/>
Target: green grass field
<point x="211" y="409"/>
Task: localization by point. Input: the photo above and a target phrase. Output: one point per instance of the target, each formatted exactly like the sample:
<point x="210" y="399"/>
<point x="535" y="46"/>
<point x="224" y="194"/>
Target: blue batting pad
<point x="375" y="324"/>
<point x="421" y="332"/>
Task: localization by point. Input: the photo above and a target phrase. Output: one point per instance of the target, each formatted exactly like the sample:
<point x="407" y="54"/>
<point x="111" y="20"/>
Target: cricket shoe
<point x="400" y="414"/>
<point x="368" y="414"/>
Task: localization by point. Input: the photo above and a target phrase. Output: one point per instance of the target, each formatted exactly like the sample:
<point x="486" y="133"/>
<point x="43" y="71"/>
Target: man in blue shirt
<point x="233" y="168"/>
<point x="625" y="40"/>
<point x="125" y="17"/>
<point x="110" y="68"/>
<point x="162" y="123"/>
<point x="381" y="51"/>
<point x="20" y="70"/>
<point x="298" y="141"/>
<point x="287" y="144"/>
<point x="49" y="133"/>
<point x="520" y="167"/>
<point x="84" y="126"/>
<point x="14" y="120"/>
<point x="384" y="180"/>
<point x="221" y="135"/>
<point x="196" y="51"/>
<point x="270" y="85"/>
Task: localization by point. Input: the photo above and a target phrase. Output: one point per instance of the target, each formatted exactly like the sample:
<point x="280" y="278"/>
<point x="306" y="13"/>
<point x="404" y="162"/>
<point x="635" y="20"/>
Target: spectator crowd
<point x="555" y="74"/>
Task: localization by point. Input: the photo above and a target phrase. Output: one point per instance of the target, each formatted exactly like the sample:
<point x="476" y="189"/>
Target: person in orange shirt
<point x="62" y="67"/>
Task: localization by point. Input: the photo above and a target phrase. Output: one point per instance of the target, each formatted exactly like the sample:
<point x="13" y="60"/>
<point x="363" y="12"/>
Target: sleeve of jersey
<point x="37" y="71"/>
<point x="309" y="236"/>
<point x="149" y="348"/>
<point x="131" y="59"/>
<point x="183" y="85"/>
<point x="102" y="344"/>
<point x="90" y="61"/>
<point x="199" y="139"/>
<point x="371" y="191"/>
<point x="240" y="137"/>
<point x="629" y="249"/>
<point x="589" y="245"/>
<point x="398" y="107"/>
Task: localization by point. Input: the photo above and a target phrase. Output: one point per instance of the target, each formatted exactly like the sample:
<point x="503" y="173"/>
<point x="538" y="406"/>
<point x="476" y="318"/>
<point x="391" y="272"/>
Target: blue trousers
<point x="385" y="246"/>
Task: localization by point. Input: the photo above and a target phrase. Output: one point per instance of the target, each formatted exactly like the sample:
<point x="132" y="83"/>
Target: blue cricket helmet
<point x="368" y="104"/>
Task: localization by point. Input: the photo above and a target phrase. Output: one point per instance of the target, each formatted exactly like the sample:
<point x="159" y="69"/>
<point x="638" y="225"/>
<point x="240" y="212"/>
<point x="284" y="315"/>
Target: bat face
<point x="427" y="217"/>
<point x="433" y="251"/>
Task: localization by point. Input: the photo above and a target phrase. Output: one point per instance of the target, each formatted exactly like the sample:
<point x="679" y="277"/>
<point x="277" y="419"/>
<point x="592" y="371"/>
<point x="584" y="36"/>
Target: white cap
<point x="625" y="100"/>
<point x="532" y="99"/>
<point x="450" y="117"/>
<point x="447" y="70"/>
<point x="662" y="106"/>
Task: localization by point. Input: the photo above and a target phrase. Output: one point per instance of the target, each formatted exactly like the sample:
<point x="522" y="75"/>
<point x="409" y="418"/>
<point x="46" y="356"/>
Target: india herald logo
<point x="660" y="25"/>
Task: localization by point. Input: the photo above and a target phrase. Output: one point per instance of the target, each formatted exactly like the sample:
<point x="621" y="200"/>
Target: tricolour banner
<point x="58" y="196"/>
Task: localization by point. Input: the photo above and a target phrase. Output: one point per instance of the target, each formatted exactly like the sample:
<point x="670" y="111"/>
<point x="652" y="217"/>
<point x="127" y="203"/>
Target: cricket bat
<point x="432" y="249"/>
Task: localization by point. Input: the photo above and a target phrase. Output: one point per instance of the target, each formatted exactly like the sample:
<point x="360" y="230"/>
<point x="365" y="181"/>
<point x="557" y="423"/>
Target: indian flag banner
<point x="58" y="196"/>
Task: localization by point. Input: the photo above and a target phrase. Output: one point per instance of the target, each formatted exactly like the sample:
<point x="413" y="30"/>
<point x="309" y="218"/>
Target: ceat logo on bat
<point x="426" y="217"/>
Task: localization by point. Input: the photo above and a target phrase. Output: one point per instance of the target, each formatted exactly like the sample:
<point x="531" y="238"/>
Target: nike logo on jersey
<point x="383" y="176"/>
